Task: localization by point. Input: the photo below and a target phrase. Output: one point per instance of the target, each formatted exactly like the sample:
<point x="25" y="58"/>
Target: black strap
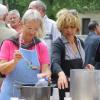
<point x="82" y="43"/>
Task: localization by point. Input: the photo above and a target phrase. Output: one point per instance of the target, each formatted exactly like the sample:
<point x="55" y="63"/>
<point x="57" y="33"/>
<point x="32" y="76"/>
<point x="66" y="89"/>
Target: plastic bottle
<point x="42" y="82"/>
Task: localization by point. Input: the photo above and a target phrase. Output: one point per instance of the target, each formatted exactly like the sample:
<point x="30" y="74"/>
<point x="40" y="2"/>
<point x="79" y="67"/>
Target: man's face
<point x="39" y="9"/>
<point x="98" y="29"/>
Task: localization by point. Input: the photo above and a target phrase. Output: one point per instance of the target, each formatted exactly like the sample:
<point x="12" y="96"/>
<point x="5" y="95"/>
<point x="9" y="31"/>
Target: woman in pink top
<point x="23" y="57"/>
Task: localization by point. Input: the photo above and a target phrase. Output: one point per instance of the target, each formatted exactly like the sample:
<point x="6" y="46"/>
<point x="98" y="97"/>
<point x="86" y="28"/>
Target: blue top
<point x="91" y="44"/>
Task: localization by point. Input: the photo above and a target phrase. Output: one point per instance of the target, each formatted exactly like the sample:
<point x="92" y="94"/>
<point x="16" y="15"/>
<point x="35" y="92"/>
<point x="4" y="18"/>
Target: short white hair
<point x="15" y="12"/>
<point x="33" y="15"/>
<point x="37" y="3"/>
<point x="3" y="10"/>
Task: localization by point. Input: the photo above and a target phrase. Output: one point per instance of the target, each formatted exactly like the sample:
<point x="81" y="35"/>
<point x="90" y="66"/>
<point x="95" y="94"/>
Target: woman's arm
<point x="46" y="72"/>
<point x="56" y="66"/>
<point x="8" y="66"/>
<point x="56" y="58"/>
<point x="44" y="61"/>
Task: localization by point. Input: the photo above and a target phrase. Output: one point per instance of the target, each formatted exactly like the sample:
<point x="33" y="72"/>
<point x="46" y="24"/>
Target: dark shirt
<point x="91" y="44"/>
<point x="59" y="62"/>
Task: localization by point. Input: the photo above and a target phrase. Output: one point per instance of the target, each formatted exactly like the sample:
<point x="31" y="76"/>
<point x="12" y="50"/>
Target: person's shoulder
<point x="58" y="42"/>
<point x="50" y="20"/>
<point x="43" y="41"/>
<point x="95" y="38"/>
<point x="13" y="32"/>
<point x="6" y="42"/>
<point x="93" y="35"/>
<point x="93" y="41"/>
<point x="9" y="31"/>
<point x="42" y="44"/>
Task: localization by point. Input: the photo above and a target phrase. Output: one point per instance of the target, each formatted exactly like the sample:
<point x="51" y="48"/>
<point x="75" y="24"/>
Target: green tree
<point x="20" y="5"/>
<point x="53" y="6"/>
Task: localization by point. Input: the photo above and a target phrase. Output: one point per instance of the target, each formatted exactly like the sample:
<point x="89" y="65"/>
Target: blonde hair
<point x="67" y="19"/>
<point x="34" y="15"/>
<point x="64" y="10"/>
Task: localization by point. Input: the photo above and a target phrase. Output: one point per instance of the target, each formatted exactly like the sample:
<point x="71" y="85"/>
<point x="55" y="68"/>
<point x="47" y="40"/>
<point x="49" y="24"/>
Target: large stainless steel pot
<point x="35" y="93"/>
<point x="85" y="84"/>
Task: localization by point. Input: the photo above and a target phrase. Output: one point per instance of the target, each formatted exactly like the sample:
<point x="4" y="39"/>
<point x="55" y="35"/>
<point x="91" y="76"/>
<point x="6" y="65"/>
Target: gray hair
<point x="74" y="12"/>
<point x="61" y="12"/>
<point x="34" y="15"/>
<point x="16" y="12"/>
<point x="3" y="11"/>
<point x="37" y="3"/>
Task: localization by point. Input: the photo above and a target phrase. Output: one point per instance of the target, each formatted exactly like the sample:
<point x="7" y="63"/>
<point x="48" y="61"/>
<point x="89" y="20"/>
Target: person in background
<point x="64" y="10"/>
<point x="14" y="20"/>
<point x="67" y="52"/>
<point x="50" y="28"/>
<point x="91" y="43"/>
<point x="74" y="12"/>
<point x="5" y="31"/>
<point x="24" y="56"/>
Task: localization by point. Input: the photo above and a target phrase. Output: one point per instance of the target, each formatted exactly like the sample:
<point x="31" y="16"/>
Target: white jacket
<point x="51" y="31"/>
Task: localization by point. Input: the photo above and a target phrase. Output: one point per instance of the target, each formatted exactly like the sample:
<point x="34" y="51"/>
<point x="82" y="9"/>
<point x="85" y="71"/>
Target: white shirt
<point x="69" y="52"/>
<point x="51" y="32"/>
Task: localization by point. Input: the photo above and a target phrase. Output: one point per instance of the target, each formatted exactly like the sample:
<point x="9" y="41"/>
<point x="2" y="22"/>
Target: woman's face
<point x="30" y="28"/>
<point x="13" y="19"/>
<point x="69" y="31"/>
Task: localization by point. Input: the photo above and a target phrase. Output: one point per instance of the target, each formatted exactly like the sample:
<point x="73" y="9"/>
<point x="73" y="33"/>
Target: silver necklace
<point x="29" y="63"/>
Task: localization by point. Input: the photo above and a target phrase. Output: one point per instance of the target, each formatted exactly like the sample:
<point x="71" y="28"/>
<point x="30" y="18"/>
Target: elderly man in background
<point x="50" y="28"/>
<point x="5" y="31"/>
<point x="13" y="19"/>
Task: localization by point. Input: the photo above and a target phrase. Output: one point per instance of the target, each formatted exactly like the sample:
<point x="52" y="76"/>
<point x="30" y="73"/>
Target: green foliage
<point x="20" y="5"/>
<point x="53" y="6"/>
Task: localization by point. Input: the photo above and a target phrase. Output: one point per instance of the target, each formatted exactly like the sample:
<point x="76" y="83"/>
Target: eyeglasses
<point x="32" y="30"/>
